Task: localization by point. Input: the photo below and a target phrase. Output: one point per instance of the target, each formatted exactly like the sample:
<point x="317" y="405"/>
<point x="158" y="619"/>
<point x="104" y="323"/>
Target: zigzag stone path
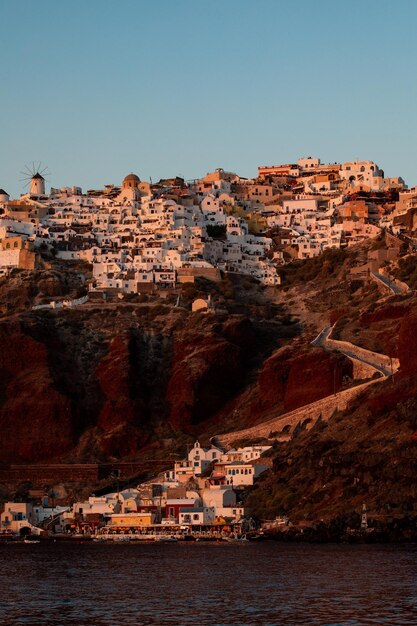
<point x="283" y="426"/>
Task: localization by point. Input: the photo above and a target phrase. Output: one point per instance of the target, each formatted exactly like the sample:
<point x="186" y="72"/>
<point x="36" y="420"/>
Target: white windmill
<point x="35" y="179"/>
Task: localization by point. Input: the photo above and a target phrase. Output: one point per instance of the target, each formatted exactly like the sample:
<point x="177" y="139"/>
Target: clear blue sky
<point x="98" y="88"/>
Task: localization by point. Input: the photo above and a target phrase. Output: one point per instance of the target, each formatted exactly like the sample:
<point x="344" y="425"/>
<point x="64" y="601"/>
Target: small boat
<point x="258" y="536"/>
<point x="211" y="538"/>
<point x="235" y="538"/>
<point x="101" y="539"/>
<point x="121" y="538"/>
<point x="166" y="538"/>
<point x="31" y="541"/>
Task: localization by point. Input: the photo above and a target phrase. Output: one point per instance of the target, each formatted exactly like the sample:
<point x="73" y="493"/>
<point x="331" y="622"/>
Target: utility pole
<point x="116" y="474"/>
<point x="364" y="518"/>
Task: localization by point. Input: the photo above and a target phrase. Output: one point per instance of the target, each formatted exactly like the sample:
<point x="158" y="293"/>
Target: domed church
<point x="130" y="185"/>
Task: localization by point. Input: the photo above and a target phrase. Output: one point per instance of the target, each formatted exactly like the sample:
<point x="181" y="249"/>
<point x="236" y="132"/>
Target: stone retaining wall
<point x="60" y="304"/>
<point x="361" y="371"/>
<point x="322" y="409"/>
<point x="365" y="364"/>
<point x="403" y="287"/>
<point x="76" y="472"/>
<point x="88" y="472"/>
<point x="375" y="359"/>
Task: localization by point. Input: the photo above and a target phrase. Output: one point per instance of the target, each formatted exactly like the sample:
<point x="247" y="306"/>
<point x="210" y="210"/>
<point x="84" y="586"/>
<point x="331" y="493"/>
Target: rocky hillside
<point x="141" y="377"/>
<point x="365" y="454"/>
<point x="102" y="382"/>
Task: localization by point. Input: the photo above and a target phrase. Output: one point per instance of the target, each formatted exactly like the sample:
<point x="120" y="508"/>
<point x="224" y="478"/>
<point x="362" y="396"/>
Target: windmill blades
<point x="46" y="174"/>
<point x="45" y="171"/>
<point x="34" y="171"/>
<point x="26" y="181"/>
<point x="27" y="172"/>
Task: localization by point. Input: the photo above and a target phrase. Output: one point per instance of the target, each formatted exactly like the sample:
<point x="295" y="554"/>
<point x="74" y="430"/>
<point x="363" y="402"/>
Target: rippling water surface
<point x="213" y="584"/>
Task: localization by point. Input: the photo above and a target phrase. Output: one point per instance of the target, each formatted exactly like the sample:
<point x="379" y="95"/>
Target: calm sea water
<point x="207" y="584"/>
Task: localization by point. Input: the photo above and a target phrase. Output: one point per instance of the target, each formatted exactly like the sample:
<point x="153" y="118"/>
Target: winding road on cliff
<point x="283" y="426"/>
<point x="379" y="362"/>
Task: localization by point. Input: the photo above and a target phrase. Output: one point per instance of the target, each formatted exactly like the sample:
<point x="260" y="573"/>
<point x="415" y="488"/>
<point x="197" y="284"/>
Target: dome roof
<point x="131" y="177"/>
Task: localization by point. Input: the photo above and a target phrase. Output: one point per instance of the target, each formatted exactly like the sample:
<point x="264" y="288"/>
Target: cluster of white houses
<point x="137" y="236"/>
<point x="201" y="490"/>
<point x="141" y="235"/>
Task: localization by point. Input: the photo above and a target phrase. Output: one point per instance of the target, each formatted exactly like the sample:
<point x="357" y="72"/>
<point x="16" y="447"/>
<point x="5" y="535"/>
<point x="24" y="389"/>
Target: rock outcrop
<point x="35" y="418"/>
<point x="206" y="373"/>
<point x="294" y="377"/>
<point x="89" y="385"/>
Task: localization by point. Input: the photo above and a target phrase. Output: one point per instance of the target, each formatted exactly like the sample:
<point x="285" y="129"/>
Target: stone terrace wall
<point x="50" y="473"/>
<point x="76" y="472"/>
<point x="60" y="305"/>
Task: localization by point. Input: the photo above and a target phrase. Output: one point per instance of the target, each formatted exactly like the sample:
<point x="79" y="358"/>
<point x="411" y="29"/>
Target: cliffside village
<point x="199" y="495"/>
<point x="142" y="236"/>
